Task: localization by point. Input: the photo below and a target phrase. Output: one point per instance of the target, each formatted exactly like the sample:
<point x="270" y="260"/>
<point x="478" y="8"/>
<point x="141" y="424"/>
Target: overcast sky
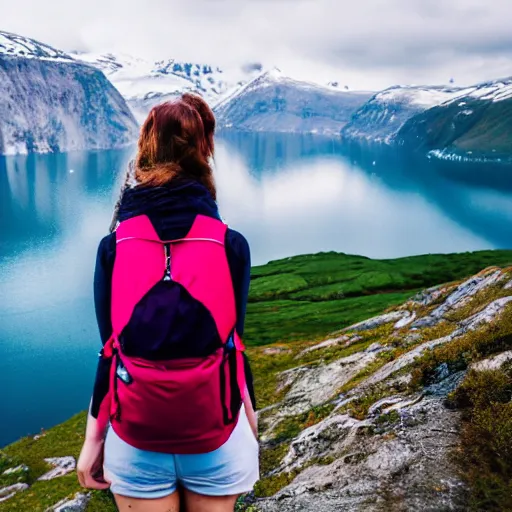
<point x="369" y="44"/>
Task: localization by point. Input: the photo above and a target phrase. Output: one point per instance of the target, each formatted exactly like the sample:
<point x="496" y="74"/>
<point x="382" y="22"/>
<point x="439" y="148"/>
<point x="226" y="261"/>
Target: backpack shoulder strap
<point x="205" y="229"/>
<point x="139" y="227"/>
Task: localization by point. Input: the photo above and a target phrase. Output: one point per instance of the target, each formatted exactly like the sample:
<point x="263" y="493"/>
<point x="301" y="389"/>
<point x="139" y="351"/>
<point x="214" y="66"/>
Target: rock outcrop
<point x="387" y="437"/>
<point x="9" y="491"/>
<point x="375" y="418"/>
<point x="76" y="504"/>
<point x="61" y="466"/>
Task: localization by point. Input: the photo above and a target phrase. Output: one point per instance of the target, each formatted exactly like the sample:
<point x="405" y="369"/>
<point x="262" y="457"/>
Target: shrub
<point x="485" y="453"/>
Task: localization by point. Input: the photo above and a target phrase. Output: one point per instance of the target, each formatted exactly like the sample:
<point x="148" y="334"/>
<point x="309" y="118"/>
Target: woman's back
<point x="171" y="289"/>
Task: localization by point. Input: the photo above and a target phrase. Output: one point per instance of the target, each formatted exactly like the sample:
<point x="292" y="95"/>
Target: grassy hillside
<point x="304" y="297"/>
<point x="297" y="300"/>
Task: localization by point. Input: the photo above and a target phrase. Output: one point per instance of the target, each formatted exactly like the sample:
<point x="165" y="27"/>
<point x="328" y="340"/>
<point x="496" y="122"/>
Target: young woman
<point x="171" y="424"/>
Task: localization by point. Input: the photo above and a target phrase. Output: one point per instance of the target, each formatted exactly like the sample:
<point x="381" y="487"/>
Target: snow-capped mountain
<point x="475" y="123"/>
<point x="14" y="45"/>
<point x="380" y="119"/>
<point x="144" y="83"/>
<point x="276" y="103"/>
<point x="51" y="102"/>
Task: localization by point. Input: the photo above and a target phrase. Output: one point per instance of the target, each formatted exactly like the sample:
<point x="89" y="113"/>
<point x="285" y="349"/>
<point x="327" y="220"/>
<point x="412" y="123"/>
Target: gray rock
<point x="62" y="466"/>
<point x="401" y="381"/>
<point x="374" y="347"/>
<point x="403" y="404"/>
<point x="332" y="342"/>
<point x="381" y="465"/>
<point x="413" y="467"/>
<point x="426" y="297"/>
<point x="442" y="372"/>
<point x="413" y="337"/>
<point x="445" y="386"/>
<point x="276" y="350"/>
<point x="487" y="315"/>
<point x="76" y="504"/>
<point x="329" y="437"/>
<point x="315" y="385"/>
<point x="402" y="361"/>
<point x="508" y="286"/>
<point x="288" y="377"/>
<point x="377" y="321"/>
<point x="8" y="492"/>
<point x="17" y="469"/>
<point x="493" y="363"/>
<point x="460" y="297"/>
<point x="406" y="320"/>
<point x="392" y="403"/>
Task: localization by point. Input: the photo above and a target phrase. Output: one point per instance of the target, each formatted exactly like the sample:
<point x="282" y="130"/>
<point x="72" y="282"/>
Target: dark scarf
<point x="172" y="208"/>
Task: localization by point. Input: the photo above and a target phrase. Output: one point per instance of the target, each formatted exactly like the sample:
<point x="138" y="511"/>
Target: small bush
<point x="485" y="453"/>
<point x="480" y="389"/>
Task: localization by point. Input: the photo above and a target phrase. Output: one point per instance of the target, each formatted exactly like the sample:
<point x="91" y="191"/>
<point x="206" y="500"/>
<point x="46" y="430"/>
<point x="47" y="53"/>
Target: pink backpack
<point x="177" y="378"/>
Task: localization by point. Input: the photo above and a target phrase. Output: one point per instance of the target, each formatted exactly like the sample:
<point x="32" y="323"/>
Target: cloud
<point x="367" y="43"/>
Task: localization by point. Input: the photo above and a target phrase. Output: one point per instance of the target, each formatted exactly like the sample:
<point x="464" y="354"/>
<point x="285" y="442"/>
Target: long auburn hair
<point x="176" y="141"/>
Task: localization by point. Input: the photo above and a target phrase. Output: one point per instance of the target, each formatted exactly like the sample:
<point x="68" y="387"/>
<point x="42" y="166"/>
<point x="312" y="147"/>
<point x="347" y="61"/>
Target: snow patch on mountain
<point x="144" y="83"/>
<point x="495" y="91"/>
<point x="18" y="46"/>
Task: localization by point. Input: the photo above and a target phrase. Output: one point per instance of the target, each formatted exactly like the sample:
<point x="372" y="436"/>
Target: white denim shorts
<point x="231" y="469"/>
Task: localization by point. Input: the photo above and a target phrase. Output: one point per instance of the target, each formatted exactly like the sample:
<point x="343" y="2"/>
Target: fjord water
<point x="287" y="194"/>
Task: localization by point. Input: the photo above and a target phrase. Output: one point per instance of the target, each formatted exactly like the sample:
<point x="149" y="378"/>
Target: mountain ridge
<point x="476" y="123"/>
<point x="458" y="123"/>
<point x="275" y="102"/>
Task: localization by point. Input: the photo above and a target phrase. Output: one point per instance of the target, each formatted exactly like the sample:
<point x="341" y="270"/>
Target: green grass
<point x="65" y="439"/>
<point x="311" y="296"/>
<point x="288" y="320"/>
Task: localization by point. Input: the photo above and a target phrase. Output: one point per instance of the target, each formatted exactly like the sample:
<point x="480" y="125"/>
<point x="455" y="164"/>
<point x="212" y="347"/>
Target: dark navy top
<point x="172" y="210"/>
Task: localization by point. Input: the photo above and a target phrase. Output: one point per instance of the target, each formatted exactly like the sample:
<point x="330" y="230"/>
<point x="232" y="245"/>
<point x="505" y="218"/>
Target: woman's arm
<point x="89" y="467"/>
<point x="102" y="304"/>
<point x="239" y="259"/>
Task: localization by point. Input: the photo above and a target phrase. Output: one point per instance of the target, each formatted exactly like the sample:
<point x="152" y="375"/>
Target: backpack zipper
<point x="167" y="249"/>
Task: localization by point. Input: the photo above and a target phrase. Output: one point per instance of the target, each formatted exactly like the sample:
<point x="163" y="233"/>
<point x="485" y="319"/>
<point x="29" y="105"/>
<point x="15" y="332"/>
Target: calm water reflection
<point x="289" y="195"/>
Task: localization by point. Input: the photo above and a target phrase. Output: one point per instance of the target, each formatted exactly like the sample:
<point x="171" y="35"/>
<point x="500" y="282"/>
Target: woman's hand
<point x="90" y="465"/>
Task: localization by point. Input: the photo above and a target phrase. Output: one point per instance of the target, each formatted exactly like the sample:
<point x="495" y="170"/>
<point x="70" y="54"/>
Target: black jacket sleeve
<point x="239" y="259"/>
<point x="102" y="296"/>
